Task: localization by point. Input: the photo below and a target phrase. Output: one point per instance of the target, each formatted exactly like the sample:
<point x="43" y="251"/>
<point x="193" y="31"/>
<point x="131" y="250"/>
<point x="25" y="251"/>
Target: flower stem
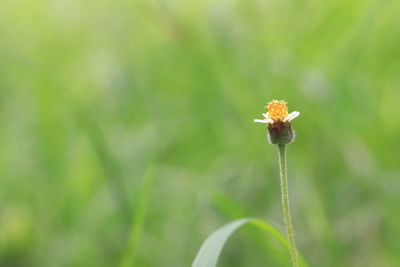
<point x="285" y="205"/>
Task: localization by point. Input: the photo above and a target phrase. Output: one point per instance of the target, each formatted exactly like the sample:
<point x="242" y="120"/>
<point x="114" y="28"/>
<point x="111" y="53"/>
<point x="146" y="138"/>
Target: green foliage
<point x="94" y="93"/>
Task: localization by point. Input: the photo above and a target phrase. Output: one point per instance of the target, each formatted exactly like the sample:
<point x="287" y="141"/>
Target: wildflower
<point x="278" y="120"/>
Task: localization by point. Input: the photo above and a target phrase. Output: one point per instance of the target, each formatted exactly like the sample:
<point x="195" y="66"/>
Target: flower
<point x="277" y="111"/>
<point x="278" y="120"/>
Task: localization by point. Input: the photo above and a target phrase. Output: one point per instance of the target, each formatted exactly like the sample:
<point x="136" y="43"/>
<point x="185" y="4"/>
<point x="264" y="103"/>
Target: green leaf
<point x="210" y="251"/>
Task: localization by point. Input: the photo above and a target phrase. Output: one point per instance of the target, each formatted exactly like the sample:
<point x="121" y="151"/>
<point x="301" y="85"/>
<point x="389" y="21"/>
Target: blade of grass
<point x="139" y="218"/>
<point x="90" y="127"/>
<point x="210" y="251"/>
<point x="232" y="210"/>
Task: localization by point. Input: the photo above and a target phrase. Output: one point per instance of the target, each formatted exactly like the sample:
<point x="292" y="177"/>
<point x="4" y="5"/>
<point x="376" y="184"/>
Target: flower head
<point x="278" y="120"/>
<point x="277" y="110"/>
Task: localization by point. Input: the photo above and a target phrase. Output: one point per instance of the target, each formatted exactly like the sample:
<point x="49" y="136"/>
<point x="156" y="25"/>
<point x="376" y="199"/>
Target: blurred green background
<point x="127" y="133"/>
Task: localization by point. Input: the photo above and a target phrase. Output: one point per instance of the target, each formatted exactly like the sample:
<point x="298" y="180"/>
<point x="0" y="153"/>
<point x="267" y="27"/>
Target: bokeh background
<point x="127" y="136"/>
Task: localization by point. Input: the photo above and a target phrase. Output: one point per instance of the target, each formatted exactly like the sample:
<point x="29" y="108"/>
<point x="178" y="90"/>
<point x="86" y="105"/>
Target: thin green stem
<point x="285" y="205"/>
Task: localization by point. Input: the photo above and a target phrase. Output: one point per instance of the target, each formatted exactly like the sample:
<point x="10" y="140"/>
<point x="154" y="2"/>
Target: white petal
<point x="265" y="115"/>
<point x="264" y="121"/>
<point x="261" y="121"/>
<point x="291" y="116"/>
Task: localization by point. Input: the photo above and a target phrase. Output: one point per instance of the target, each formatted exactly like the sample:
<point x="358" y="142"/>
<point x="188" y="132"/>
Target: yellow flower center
<point x="277" y="110"/>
